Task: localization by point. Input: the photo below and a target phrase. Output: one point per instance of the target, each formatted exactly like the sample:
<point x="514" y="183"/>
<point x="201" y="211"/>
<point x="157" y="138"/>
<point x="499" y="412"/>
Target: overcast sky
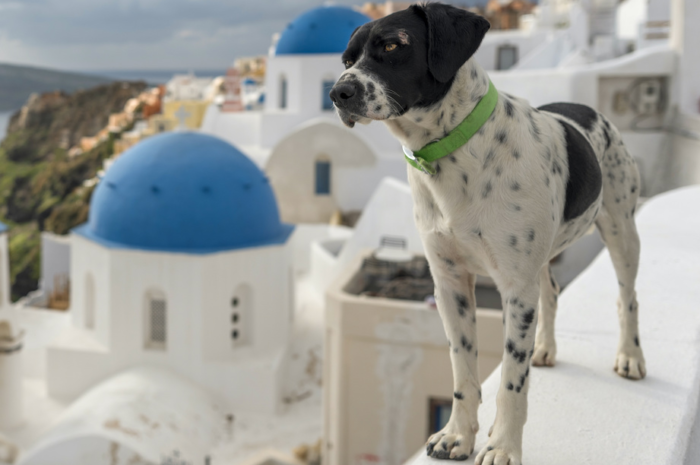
<point x="142" y="34"/>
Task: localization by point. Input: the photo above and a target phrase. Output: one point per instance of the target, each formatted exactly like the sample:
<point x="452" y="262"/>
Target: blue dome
<point x="184" y="192"/>
<point x="326" y="29"/>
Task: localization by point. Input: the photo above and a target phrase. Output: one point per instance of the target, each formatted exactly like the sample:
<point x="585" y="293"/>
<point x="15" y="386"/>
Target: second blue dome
<point x="326" y="29"/>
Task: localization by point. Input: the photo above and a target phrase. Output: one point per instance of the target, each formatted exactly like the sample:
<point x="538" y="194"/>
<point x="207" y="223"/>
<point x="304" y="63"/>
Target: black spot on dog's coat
<point x="518" y="355"/>
<point x="585" y="178"/>
<point x="487" y="190"/>
<point x="462" y="304"/>
<point x="510" y="109"/>
<point x="466" y="344"/>
<point x="583" y="115"/>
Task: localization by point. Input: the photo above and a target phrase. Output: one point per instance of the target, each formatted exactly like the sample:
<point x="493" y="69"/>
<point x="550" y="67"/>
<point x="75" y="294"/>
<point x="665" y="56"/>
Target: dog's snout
<point x="342" y="92"/>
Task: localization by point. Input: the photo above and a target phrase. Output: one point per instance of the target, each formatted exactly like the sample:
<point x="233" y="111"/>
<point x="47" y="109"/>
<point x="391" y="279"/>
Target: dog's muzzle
<point x="348" y="97"/>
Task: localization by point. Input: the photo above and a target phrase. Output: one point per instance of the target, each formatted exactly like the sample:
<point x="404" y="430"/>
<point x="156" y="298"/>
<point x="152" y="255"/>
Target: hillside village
<point x="217" y="271"/>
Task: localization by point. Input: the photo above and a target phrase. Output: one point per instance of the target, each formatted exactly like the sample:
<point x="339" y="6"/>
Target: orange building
<point x="505" y="14"/>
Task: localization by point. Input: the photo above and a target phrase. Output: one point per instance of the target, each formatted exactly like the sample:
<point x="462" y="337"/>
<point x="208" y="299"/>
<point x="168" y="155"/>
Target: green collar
<point x="423" y="158"/>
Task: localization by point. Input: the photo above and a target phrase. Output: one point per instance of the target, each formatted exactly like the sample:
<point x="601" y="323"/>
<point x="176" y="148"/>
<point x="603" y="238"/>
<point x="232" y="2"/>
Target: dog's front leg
<point x="454" y="291"/>
<point x="505" y="438"/>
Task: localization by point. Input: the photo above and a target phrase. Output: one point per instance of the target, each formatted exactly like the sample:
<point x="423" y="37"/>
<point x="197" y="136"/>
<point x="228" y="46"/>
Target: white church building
<point x="315" y="164"/>
<point x="183" y="264"/>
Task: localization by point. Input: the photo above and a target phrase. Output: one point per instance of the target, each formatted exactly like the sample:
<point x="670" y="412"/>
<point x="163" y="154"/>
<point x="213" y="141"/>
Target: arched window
<point x="326" y="86"/>
<point x="283" y="92"/>
<point x="242" y="316"/>
<point x="323" y="175"/>
<point x="156" y="320"/>
<point x="89" y="302"/>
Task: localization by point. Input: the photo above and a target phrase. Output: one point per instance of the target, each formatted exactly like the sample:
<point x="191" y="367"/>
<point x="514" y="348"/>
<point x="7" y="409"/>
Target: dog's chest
<point x="450" y="213"/>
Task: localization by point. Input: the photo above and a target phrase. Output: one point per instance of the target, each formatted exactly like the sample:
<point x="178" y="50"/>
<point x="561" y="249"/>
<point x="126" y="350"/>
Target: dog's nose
<point x="343" y="92"/>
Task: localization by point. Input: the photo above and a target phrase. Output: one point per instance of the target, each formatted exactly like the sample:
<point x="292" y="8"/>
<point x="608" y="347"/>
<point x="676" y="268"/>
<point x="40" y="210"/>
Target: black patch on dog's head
<point x="432" y="41"/>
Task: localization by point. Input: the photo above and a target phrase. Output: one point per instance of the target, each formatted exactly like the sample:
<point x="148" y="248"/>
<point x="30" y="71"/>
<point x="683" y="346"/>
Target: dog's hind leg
<point x="620" y="236"/>
<point x="545" y="344"/>
<point x="619" y="232"/>
<point x="456" y="301"/>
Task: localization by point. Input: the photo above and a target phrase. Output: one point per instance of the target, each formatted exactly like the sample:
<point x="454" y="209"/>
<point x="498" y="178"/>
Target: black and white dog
<point x="524" y="187"/>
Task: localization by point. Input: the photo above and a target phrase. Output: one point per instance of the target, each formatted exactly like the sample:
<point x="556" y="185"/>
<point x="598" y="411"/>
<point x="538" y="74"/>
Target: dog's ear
<point x="454" y="35"/>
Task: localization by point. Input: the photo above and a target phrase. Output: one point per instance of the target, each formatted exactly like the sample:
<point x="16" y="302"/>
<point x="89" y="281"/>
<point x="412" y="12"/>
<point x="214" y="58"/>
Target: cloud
<point x="133" y="34"/>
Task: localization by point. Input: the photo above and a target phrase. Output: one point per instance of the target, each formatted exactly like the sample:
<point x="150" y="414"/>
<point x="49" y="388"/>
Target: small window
<point x="156" y="321"/>
<point x="507" y="57"/>
<point x="323" y="177"/>
<point x="283" y="92"/>
<point x="327" y="103"/>
<point x="241" y="329"/>
<point x="439" y="411"/>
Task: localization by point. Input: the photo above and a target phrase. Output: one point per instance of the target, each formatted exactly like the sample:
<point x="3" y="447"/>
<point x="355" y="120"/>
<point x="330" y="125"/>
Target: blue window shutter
<point x="323" y="178"/>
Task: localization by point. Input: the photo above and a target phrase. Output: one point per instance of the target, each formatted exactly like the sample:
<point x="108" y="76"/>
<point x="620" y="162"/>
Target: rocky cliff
<point x="41" y="187"/>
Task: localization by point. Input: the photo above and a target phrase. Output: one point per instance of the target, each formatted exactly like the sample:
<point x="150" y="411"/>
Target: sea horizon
<point x="152" y="76"/>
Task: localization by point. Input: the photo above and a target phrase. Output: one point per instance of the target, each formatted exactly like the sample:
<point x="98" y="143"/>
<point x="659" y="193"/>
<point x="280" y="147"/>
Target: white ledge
<point x="580" y="411"/>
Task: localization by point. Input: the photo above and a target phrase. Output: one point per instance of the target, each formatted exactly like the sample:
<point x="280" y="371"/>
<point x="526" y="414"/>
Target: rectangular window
<point x="323" y="178"/>
<point x="439" y="411"/>
<point x="283" y="93"/>
<point x="158" y="324"/>
<point x="507" y="57"/>
<point x="326" y="97"/>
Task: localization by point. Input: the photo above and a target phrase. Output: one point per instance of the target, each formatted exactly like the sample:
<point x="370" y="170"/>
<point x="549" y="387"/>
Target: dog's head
<point x="405" y="60"/>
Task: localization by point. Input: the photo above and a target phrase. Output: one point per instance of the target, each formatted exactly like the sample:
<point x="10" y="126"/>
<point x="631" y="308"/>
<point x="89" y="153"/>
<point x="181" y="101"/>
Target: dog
<point x="526" y="185"/>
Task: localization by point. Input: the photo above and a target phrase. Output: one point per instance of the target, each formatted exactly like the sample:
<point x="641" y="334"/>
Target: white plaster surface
<point x="147" y="412"/>
<point x="198" y="290"/>
<point x="580" y="412"/>
<point x="55" y="259"/>
<point x="299" y="423"/>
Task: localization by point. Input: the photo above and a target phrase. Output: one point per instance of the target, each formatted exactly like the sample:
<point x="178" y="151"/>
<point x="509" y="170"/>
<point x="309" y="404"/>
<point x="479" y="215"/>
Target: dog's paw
<point x="450" y="446"/>
<point x="493" y="455"/>
<point x="630" y="364"/>
<point x="545" y="354"/>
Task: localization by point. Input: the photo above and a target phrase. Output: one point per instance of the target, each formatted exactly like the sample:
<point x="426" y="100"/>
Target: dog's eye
<point x="390" y="47"/>
<point x="348" y="63"/>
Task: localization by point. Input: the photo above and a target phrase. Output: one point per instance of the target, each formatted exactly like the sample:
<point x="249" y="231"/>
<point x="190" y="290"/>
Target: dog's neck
<point x="419" y="126"/>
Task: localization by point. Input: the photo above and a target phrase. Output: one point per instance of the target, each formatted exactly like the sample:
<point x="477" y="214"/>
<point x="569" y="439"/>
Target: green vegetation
<point x="17" y="83"/>
<point x="41" y="187"/>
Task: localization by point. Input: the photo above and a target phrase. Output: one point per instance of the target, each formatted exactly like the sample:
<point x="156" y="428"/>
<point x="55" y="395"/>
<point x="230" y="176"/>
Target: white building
<point x="183" y="264"/>
<point x="315" y="164"/>
<point x="189" y="87"/>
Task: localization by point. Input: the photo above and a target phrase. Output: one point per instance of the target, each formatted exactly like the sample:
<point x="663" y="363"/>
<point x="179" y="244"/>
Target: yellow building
<point x="187" y="113"/>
